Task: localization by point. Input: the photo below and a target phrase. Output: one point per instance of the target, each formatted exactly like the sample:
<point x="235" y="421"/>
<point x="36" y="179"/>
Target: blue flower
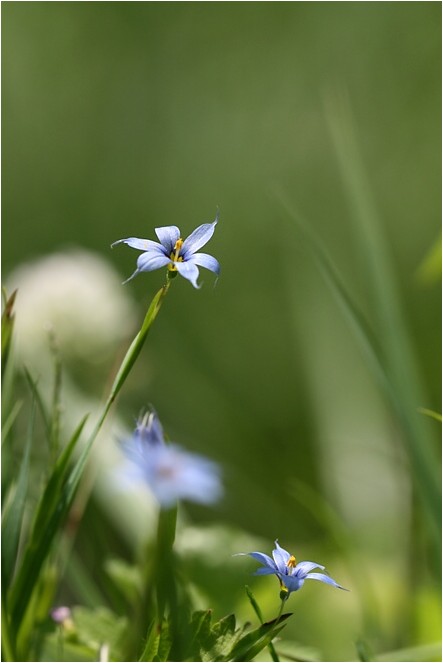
<point x="173" y="252"/>
<point x="170" y="472"/>
<point x="291" y="575"/>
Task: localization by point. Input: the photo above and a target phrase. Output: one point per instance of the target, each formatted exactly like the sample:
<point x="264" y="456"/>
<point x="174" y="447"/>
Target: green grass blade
<point x="7" y="325"/>
<point x="428" y="652"/>
<point x="13" y="517"/>
<point x="10" y="420"/>
<point x="49" y="521"/>
<point x="391" y="327"/>
<point x="8" y="649"/>
<point x="49" y="515"/>
<point x="423" y="459"/>
<point x="430" y="413"/>
<point x="39" y="400"/>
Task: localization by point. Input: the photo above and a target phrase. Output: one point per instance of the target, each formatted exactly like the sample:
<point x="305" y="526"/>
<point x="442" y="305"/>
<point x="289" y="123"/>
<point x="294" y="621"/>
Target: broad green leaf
<point x="126" y="577"/>
<point x="98" y="627"/>
<point x="222" y="639"/>
<point x="251" y="644"/>
<point x="152" y="644"/>
<point x="199" y="632"/>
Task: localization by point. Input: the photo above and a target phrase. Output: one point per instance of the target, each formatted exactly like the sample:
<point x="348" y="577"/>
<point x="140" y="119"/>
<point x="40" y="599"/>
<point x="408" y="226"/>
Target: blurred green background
<point x="120" y="117"/>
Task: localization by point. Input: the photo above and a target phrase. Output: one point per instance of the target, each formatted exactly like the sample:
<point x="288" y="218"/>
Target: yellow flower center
<point x="292" y="562"/>
<point x="174" y="255"/>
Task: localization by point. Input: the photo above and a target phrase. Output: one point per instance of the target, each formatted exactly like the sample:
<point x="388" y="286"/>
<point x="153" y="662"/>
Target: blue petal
<point x="189" y="271"/>
<point x="291" y="582"/>
<point x="281" y="557"/>
<point x="264" y="571"/>
<point x="137" y="271"/>
<point x="303" y="568"/>
<point x="149" y="261"/>
<point x="205" y="260"/>
<point x="168" y="235"/>
<point x="149" y="429"/>
<point x="264" y="559"/>
<point x="141" y="244"/>
<point x="324" y="578"/>
<point x="197" y="239"/>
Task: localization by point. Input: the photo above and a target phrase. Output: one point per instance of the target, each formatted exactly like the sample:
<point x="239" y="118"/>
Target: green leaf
<point x="251" y="644"/>
<point x="222" y="639"/>
<point x="99" y="626"/>
<point x="126" y="577"/>
<point x="151" y="647"/>
<point x="158" y="644"/>
<point x="199" y="632"/>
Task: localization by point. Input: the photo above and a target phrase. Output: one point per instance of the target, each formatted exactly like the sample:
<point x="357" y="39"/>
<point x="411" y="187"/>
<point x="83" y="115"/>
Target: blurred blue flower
<point x="173" y="252"/>
<point x="291" y="575"/>
<point x="170" y="472"/>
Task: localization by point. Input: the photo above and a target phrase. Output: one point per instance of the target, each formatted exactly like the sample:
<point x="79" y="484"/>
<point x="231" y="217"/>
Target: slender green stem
<point x="123" y="372"/>
<point x="259" y="614"/>
<point x="159" y="581"/>
<point x="280" y="612"/>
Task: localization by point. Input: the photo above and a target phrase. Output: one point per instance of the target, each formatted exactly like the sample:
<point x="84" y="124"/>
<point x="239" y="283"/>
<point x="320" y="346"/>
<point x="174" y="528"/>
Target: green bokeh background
<point x="119" y="117"/>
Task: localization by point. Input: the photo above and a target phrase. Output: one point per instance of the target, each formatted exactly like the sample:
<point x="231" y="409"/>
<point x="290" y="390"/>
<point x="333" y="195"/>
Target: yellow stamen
<point x="292" y="562"/>
<point x="174" y="255"/>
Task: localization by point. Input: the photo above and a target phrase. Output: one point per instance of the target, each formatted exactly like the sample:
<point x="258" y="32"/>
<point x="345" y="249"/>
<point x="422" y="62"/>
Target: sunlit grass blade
<point x="423" y="459"/>
<point x="13" y="517"/>
<point x="430" y="413"/>
<point x="339" y="535"/>
<point x="391" y="327"/>
<point x="428" y="652"/>
<point x="429" y="271"/>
